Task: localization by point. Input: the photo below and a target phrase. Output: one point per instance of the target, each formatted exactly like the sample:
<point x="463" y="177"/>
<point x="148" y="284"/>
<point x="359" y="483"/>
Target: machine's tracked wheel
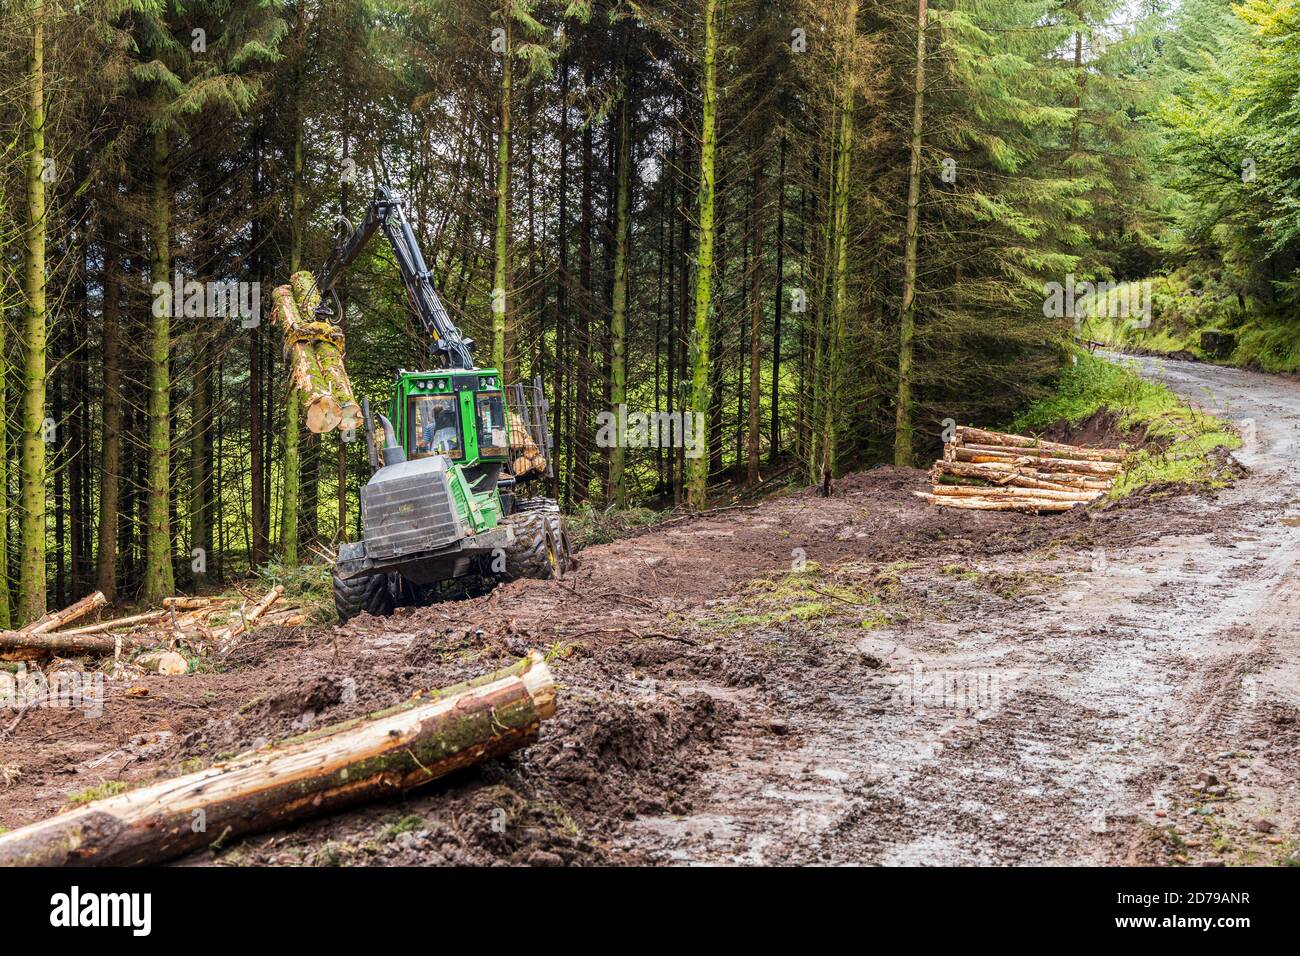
<point x="555" y="521"/>
<point x="369" y="594"/>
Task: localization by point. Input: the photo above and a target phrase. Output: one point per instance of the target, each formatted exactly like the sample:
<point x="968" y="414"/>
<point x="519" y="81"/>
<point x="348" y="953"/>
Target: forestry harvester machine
<point x="442" y="514"/>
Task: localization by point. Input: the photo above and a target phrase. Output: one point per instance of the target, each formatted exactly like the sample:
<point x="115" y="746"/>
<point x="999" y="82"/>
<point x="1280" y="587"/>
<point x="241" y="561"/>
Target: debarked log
<point x="966" y="434"/>
<point x="1011" y="457"/>
<point x="1068" y="454"/>
<point x="418" y="740"/>
<point x="57" y="619"/>
<point x="995" y="504"/>
<point x="1039" y="494"/>
<point x="1004" y="475"/>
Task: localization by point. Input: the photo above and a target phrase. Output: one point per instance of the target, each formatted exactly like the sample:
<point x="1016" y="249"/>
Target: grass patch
<point x="411" y="823"/>
<point x="804" y="596"/>
<point x="1184" y="442"/>
<point x="110" y="789"/>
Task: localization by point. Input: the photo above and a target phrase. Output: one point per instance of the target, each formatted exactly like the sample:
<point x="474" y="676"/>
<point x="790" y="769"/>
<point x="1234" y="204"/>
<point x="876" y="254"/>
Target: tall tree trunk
<point x="618" y="314"/>
<point x="292" y="464"/>
<point x="342" y="533"/>
<point x="200" y="429"/>
<point x="110" y="452"/>
<point x="580" y="469"/>
<point x="755" y="324"/>
<point x="778" y="300"/>
<point x="834" y="349"/>
<point x="158" y="578"/>
<point x="257" y="503"/>
<point x="5" y="615"/>
<point x="559" y="406"/>
<point x="31" y="580"/>
<point x="700" y="384"/>
<point x="907" y="316"/>
<point x="501" y="268"/>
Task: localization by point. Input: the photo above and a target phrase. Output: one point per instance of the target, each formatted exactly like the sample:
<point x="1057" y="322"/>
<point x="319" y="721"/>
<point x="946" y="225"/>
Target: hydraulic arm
<point x="385" y="212"/>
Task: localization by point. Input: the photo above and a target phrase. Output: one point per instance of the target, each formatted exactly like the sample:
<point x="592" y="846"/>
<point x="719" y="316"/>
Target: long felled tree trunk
<point x="907" y="316"/>
<point x="701" y="386"/>
<point x="31" y="571"/>
<point x="158" y="574"/>
<point x="381" y="755"/>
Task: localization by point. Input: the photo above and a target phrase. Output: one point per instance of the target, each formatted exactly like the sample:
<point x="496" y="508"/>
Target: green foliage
<point x="590" y="525"/>
<point x="1232" y="142"/>
<point x="306" y="585"/>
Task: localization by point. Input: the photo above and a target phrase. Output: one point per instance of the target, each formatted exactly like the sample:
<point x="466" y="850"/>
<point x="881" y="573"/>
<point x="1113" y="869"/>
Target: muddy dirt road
<point x="864" y="679"/>
<point x="1142" y="708"/>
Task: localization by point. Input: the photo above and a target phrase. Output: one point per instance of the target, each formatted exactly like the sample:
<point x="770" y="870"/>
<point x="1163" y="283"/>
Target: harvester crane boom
<point x="385" y="212"/>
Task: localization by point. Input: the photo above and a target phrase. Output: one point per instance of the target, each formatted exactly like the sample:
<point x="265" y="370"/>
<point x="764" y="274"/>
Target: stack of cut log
<point x="526" y="457"/>
<point x="182" y="621"/>
<point x="994" y="471"/>
<point x="314" y="352"/>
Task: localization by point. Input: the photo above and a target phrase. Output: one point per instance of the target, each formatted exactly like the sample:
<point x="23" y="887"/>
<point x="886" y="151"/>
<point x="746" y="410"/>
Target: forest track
<point x="1078" y="736"/>
<point x="935" y="687"/>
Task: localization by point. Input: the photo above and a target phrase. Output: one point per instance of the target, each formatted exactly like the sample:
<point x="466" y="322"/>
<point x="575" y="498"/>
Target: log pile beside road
<point x="994" y="471"/>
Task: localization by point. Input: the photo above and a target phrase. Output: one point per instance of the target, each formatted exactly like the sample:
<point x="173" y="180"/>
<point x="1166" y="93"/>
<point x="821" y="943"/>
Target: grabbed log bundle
<point x="314" y="352"/>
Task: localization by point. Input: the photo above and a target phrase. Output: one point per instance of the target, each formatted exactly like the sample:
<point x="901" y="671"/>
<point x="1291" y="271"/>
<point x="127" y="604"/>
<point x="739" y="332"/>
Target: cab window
<point x="435" y="426"/>
<point x="491" y="415"/>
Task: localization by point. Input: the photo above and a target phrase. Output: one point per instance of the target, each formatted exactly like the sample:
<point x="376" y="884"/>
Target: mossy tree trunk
<point x="907" y="315"/>
<point x="31" y="579"/>
<point x="701" y="390"/>
<point x="5" y="616"/>
<point x="110" y="454"/>
<point x="841" y="183"/>
<point x="292" y="457"/>
<point x="618" y="317"/>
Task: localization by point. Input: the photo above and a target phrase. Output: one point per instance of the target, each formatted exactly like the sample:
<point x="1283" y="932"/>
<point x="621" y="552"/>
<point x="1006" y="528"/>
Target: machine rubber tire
<point x="555" y="521"/>
<point x="533" y="554"/>
<point x="369" y="594"/>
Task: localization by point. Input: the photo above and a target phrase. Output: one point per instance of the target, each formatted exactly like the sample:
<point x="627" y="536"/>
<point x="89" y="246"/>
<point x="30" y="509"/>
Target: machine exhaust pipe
<point x="394" y="454"/>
